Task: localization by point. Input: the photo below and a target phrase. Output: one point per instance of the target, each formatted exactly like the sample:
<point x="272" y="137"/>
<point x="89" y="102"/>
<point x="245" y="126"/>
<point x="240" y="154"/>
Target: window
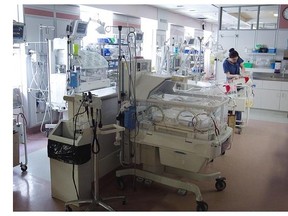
<point x="229" y="18"/>
<point x="249" y="17"/>
<point x="268" y="17"/>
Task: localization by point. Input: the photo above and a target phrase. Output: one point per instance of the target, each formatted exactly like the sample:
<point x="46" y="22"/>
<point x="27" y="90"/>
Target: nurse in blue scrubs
<point x="233" y="67"/>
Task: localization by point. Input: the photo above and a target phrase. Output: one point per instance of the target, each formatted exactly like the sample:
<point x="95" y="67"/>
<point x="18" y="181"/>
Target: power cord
<point x="74" y="139"/>
<point x="95" y="138"/>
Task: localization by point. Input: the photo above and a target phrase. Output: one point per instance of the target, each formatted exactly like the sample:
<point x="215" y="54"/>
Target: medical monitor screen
<point x="18" y="32"/>
<point x="79" y="28"/>
<point x="191" y="41"/>
<point x="139" y="37"/>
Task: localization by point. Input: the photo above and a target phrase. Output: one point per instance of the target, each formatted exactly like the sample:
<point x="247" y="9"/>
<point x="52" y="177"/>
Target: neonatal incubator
<point x="181" y="126"/>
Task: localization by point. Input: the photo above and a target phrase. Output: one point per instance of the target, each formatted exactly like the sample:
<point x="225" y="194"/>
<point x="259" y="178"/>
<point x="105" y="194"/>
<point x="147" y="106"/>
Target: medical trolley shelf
<point x="241" y="99"/>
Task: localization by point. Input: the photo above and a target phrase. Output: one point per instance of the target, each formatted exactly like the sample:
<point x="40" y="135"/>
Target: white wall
<point x="153" y="13"/>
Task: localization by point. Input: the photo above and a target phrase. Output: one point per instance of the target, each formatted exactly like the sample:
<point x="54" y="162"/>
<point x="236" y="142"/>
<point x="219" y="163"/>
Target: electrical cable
<point x="36" y="73"/>
<point x="217" y="132"/>
<point x="74" y="139"/>
<point x="95" y="138"/>
<point x="131" y="89"/>
<point x="159" y="108"/>
<point x="23" y="117"/>
<point x="44" y="117"/>
<point x="196" y="126"/>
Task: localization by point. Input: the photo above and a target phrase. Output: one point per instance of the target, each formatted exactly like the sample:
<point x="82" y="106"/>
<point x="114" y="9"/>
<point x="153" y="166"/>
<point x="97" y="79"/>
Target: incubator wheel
<point x="68" y="208"/>
<point x="147" y="182"/>
<point x="202" y="206"/>
<point x="124" y="201"/>
<point x="181" y="192"/>
<point x="220" y="184"/>
<point x="239" y="130"/>
<point x="23" y="167"/>
<point x="120" y="183"/>
<point x="140" y="179"/>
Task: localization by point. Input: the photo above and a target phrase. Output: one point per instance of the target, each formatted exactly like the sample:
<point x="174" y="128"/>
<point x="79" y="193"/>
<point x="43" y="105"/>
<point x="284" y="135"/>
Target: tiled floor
<point x="268" y="115"/>
<point x="255" y="168"/>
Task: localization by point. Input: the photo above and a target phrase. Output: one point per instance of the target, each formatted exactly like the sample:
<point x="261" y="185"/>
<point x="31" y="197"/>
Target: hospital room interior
<point x="150" y="107"/>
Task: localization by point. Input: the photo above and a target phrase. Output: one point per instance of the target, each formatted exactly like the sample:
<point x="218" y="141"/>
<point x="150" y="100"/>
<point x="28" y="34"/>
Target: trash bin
<point x="67" y="156"/>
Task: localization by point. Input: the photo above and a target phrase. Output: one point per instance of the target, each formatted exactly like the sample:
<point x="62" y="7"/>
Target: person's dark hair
<point x="233" y="53"/>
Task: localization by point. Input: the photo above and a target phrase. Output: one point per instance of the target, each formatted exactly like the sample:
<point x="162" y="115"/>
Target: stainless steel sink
<point x="270" y="76"/>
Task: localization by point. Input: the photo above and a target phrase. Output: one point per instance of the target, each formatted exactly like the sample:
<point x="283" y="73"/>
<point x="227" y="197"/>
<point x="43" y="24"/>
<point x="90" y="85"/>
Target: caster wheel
<point x="202" y="206"/>
<point x="120" y="183"/>
<point x="223" y="153"/>
<point x="68" y="208"/>
<point x="139" y="179"/>
<point x="124" y="202"/>
<point x="181" y="192"/>
<point x="23" y="167"/>
<point x="220" y="184"/>
<point x="147" y="182"/>
<point x="239" y="130"/>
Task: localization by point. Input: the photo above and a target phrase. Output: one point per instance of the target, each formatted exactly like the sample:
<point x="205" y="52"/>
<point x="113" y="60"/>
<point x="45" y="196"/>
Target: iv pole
<point x="97" y="200"/>
<point x="120" y="88"/>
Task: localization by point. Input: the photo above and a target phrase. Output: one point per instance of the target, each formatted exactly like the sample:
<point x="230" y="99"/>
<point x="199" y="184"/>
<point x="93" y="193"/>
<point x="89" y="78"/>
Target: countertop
<point x="270" y="76"/>
<point x="104" y="93"/>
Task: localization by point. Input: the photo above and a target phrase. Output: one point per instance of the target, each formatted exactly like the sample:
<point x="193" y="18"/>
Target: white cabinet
<point x="271" y="99"/>
<point x="284" y="101"/>
<point x="284" y="86"/>
<point x="272" y="95"/>
<point x="258" y="94"/>
<point x="266" y="99"/>
<point x="284" y="97"/>
<point x="271" y="85"/>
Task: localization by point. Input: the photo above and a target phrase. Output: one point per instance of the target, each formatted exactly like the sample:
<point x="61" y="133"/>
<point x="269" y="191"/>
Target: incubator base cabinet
<point x="181" y="128"/>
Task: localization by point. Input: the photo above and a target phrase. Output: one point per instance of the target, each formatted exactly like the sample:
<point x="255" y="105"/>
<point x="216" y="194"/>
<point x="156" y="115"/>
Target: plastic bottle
<point x="277" y="67"/>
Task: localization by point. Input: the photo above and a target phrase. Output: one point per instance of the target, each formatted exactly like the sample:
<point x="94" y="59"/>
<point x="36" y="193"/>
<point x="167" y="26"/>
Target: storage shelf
<point x="262" y="54"/>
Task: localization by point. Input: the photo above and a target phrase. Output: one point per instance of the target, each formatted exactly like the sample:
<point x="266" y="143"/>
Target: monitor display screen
<point x="18" y="32"/>
<point x="81" y="28"/>
<point x="139" y="36"/>
<point x="191" y="41"/>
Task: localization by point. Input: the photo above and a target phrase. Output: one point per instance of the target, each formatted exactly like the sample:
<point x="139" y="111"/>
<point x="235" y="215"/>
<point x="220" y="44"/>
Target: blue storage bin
<point x="271" y="50"/>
